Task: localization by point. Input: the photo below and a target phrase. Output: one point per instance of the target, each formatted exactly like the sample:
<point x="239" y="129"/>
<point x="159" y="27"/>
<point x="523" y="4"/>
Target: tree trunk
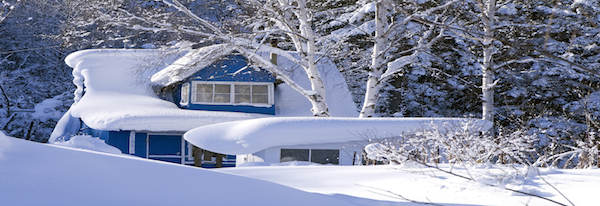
<point x="487" y="86"/>
<point x="319" y="104"/>
<point x="377" y="60"/>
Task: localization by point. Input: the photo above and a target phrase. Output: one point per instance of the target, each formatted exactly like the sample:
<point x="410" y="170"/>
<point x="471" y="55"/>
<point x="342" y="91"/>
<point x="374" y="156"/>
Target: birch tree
<point x="287" y="17"/>
<point x="391" y="24"/>
<point x="488" y="13"/>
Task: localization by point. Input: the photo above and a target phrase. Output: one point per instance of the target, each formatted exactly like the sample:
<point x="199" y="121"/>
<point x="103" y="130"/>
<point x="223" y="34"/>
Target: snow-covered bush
<point x="541" y="142"/>
<point x="565" y="143"/>
<point x="454" y="142"/>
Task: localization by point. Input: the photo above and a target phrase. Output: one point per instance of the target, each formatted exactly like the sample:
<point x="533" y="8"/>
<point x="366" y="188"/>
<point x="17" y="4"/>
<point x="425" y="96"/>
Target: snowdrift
<point x="41" y="174"/>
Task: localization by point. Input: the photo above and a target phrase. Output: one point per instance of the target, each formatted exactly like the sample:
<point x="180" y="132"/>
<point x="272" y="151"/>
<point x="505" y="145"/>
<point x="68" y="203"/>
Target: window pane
<point x="260" y="98"/>
<point x="288" y="155"/>
<point x="222" y="98"/>
<point x="222" y="88"/>
<point x="323" y="156"/>
<point x="239" y="98"/>
<point x="204" y="97"/>
<point x="242" y="89"/>
<point x="260" y="89"/>
<point x="185" y="89"/>
<point x="204" y="88"/>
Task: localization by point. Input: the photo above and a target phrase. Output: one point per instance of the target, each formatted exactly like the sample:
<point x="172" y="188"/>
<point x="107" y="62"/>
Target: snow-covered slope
<point x="395" y="185"/>
<point x="41" y="174"/>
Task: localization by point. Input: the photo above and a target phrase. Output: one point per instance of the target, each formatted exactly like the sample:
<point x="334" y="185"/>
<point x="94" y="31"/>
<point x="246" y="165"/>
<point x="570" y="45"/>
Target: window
<point x="321" y="156"/>
<point x="185" y="94"/>
<point x="232" y="93"/>
<point x="288" y="155"/>
<point x="256" y="94"/>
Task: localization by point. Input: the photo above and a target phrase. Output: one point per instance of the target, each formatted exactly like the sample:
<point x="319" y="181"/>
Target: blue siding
<point x="225" y="70"/>
<point x="119" y="140"/>
<point x="164" y="145"/>
<point x="167" y="159"/>
<point x="233" y="108"/>
<point x="140" y="144"/>
<point x="160" y="144"/>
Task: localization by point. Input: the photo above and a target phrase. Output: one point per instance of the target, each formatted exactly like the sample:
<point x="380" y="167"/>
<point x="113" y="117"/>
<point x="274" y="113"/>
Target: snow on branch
<point x="177" y="5"/>
<point x="521" y="61"/>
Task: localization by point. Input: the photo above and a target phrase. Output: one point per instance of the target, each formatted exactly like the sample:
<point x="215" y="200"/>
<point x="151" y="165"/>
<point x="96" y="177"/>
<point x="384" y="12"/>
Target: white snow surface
<point x="118" y="94"/>
<point x="47" y="109"/>
<point x="389" y="185"/>
<point x="88" y="142"/>
<point x="508" y="9"/>
<point x="360" y="13"/>
<point x="41" y="174"/>
<point x="250" y="136"/>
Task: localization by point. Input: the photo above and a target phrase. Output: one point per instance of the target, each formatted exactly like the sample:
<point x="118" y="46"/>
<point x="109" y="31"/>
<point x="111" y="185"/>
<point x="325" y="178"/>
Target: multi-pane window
<point x="232" y="92"/>
<point x="256" y="94"/>
<point x="321" y="156"/>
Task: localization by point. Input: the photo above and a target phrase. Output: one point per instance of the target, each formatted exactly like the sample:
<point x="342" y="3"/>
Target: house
<point x="143" y="101"/>
<point x="215" y="112"/>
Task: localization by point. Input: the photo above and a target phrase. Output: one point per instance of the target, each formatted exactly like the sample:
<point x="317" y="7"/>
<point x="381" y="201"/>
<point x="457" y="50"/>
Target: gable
<point x="232" y="68"/>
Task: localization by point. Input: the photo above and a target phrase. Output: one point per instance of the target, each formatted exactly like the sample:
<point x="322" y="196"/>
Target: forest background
<point x="533" y="62"/>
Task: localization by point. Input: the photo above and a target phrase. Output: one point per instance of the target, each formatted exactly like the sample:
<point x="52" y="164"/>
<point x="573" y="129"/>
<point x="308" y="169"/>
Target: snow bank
<point x="41" y="174"/>
<point x="250" y="136"/>
<point x="47" y="109"/>
<point x="88" y="142"/>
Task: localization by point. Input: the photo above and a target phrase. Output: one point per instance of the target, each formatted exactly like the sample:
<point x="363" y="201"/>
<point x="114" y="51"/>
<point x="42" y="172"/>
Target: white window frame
<point x="270" y="92"/>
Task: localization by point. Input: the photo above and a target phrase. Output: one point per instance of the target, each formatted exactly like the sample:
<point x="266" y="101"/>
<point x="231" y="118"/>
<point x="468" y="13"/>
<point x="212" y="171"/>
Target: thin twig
<point x="540" y="176"/>
<point x="396" y="195"/>
<point x="471" y="179"/>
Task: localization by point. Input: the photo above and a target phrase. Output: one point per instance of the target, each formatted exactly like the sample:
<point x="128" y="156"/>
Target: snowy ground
<point x="41" y="174"/>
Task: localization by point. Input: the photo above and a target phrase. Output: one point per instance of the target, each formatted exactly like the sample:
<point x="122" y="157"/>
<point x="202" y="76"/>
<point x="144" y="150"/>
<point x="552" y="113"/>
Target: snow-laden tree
<point x="32" y="67"/>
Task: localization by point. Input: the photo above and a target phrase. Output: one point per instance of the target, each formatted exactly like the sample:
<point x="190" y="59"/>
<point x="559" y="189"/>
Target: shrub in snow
<point x="566" y="143"/>
<point x="548" y="142"/>
<point x="453" y="142"/>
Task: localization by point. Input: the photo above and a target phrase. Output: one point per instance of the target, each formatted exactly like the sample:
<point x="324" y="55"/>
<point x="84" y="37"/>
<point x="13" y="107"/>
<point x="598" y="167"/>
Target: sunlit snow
<point x="65" y="176"/>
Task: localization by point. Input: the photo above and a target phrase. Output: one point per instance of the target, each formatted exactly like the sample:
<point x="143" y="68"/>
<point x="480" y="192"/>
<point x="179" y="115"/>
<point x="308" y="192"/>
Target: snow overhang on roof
<point x="118" y="94"/>
<point x="250" y="136"/>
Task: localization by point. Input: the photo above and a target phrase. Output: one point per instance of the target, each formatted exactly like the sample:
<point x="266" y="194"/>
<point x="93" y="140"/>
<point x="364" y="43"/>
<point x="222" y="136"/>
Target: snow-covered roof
<point x="189" y="64"/>
<point x="118" y="94"/>
<point x="250" y="136"/>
